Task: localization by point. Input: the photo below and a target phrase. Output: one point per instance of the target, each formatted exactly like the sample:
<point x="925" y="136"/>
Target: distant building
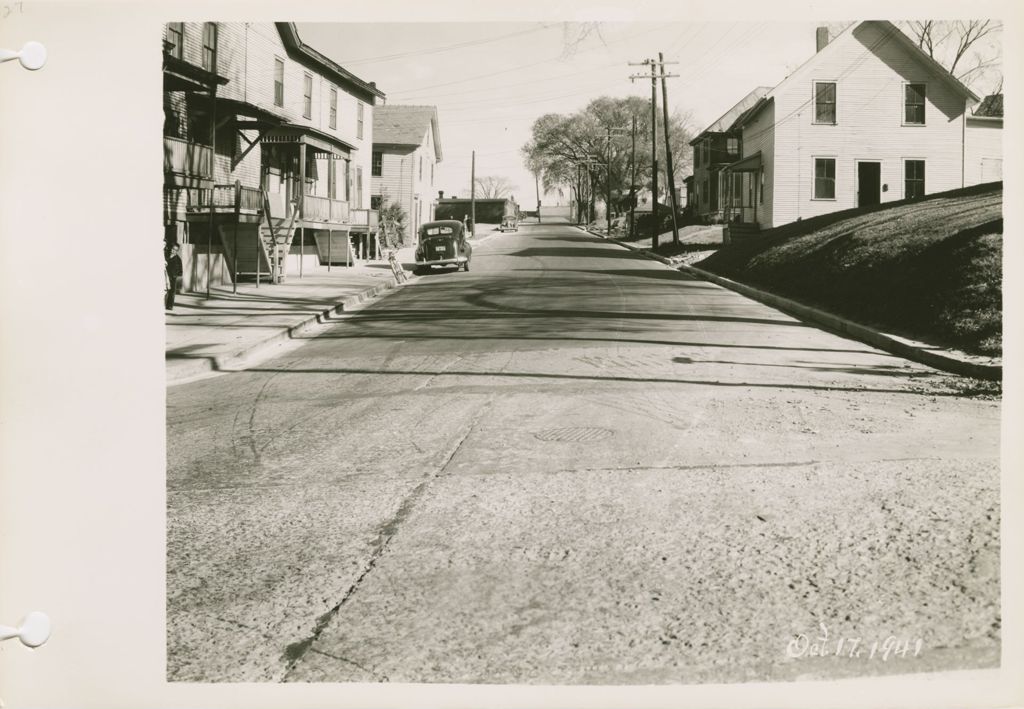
<point x="406" y="150"/>
<point x="983" y="147"/>
<point x="713" y="148"/>
<point x="488" y="211"/>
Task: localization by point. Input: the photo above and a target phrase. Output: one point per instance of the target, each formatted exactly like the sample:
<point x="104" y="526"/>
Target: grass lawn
<point x="929" y="269"/>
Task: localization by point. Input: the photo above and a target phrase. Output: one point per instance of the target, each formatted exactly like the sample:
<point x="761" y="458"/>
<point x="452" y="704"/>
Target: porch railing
<point x="185" y="158"/>
<point x="366" y="218"/>
<point x="324" y="209"/>
<point x="224" y="198"/>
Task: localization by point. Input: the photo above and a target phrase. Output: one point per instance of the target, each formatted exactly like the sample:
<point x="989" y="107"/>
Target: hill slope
<point x="930" y="269"/>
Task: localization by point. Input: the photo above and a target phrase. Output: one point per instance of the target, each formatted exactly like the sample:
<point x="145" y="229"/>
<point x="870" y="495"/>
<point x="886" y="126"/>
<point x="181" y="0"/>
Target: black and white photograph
<point x="530" y="356"/>
<point x="572" y="353"/>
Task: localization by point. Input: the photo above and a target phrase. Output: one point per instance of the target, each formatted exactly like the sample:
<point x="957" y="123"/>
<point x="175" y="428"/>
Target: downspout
<point x="963" y="148"/>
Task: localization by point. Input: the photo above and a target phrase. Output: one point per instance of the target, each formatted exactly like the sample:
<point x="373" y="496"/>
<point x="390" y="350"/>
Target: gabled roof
<point x="990" y="107"/>
<point x="367" y="91"/>
<point x="725" y="121"/>
<point x="405" y="125"/>
<point x="890" y="31"/>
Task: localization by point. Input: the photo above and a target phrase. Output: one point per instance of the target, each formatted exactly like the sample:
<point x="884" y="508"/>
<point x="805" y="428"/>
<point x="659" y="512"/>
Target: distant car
<point x="443" y="244"/>
<point x="510" y="222"/>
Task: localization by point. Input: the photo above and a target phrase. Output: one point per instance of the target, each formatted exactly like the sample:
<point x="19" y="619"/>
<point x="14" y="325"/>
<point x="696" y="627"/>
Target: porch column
<point x="213" y="186"/>
<point x="302" y="199"/>
<point x="757" y="185"/>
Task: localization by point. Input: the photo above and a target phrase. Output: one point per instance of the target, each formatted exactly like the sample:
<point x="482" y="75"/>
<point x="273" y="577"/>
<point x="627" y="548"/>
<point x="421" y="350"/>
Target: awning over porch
<point x="245" y="115"/>
<point x="180" y="75"/>
<point x="320" y="142"/>
<point x="751" y="163"/>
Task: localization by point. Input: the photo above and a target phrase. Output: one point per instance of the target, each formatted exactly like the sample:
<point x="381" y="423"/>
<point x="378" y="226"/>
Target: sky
<point x="491" y="80"/>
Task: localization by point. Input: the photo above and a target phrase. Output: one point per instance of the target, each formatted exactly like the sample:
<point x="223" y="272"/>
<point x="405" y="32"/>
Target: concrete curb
<point x="187" y="368"/>
<point x="946" y="360"/>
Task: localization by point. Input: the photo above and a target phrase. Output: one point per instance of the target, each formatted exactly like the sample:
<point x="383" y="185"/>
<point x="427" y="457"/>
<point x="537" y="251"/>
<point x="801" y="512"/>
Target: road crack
<point x="296" y="651"/>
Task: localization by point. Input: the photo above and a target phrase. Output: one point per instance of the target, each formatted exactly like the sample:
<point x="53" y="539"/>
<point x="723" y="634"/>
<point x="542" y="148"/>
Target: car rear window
<point x="436" y="230"/>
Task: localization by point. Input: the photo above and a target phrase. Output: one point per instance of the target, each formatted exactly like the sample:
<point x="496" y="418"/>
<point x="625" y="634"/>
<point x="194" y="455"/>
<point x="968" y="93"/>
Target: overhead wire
<point x="446" y="48"/>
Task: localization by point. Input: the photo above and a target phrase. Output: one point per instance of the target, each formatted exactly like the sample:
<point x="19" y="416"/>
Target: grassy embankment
<point x="930" y="269"/>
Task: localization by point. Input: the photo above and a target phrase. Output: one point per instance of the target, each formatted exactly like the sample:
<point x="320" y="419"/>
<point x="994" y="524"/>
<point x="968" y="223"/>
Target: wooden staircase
<point x="262" y="248"/>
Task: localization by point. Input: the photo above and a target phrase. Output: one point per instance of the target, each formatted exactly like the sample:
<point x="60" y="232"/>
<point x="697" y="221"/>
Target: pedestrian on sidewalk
<point x="173" y="271"/>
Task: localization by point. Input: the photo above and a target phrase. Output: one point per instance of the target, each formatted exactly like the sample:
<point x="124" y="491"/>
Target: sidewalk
<point x="205" y="335"/>
<point x="946" y="359"/>
<point x="209" y="334"/>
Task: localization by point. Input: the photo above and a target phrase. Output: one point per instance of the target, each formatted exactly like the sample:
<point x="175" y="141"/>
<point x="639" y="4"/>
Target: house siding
<point x="401" y="180"/>
<point x="983" y="151"/>
<point x="245" y="56"/>
<point x="870" y="69"/>
<point x="395" y="182"/>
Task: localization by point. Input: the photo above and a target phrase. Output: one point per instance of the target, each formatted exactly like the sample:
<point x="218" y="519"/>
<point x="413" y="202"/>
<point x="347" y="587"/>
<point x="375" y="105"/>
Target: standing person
<point x="174" y="271"/>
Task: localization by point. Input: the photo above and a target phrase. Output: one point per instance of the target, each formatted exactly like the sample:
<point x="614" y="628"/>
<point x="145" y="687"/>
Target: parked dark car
<point x="443" y="243"/>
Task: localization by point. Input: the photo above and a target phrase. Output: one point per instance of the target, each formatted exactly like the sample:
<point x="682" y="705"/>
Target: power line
<point x="420" y="89"/>
<point x="447" y="48"/>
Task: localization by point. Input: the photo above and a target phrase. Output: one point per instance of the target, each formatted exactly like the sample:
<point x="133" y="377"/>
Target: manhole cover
<point x="576" y="435"/>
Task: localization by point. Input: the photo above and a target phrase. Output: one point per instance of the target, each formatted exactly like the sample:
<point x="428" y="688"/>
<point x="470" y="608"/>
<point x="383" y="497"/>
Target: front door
<point x="869" y="183"/>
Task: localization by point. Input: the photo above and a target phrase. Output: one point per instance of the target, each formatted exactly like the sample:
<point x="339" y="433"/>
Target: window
<point x="175" y="38"/>
<point x="375" y="201"/>
<point x="704" y="192"/>
<point x="359" y="121"/>
<point x="333" y="119"/>
<point x="705" y="147"/>
<point x="824" y="178"/>
<point x="307" y="96"/>
<point x="210" y="46"/>
<point x="377" y="164"/>
<point x="431" y="174"/>
<point x="358" y="196"/>
<point x="761" y="198"/>
<point x="696" y="156"/>
<point x="913" y="186"/>
<point x="421" y="168"/>
<point x="278" y="82"/>
<point x="733" y="146"/>
<point x="913" y="104"/>
<point x="825" y="102"/>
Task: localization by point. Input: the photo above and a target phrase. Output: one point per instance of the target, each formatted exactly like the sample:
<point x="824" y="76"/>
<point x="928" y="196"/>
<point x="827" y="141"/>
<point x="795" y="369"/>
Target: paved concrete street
<point x="575" y="465"/>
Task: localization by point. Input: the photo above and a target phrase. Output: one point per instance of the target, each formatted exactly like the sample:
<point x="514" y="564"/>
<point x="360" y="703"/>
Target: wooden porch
<point x="740" y="191"/>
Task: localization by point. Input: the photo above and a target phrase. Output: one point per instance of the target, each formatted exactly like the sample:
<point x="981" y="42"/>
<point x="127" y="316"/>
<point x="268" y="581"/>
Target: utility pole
<point x="579" y="193"/>
<point x="653" y="76"/>
<point x="472" y="196"/>
<point x="632" y="186"/>
<point x="611" y="133"/>
<point x="668" y="146"/>
<point x="608" y="184"/>
<point x="536" y="182"/>
<point x="654" y="160"/>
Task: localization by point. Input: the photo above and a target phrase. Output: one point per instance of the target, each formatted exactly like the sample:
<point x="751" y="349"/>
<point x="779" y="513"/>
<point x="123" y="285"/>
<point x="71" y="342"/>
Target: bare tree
<point x="494" y="187"/>
<point x="970" y="50"/>
<point x="574" y="34"/>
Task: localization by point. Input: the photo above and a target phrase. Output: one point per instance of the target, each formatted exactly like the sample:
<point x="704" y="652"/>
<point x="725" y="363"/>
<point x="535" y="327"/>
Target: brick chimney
<point x="821" y="38"/>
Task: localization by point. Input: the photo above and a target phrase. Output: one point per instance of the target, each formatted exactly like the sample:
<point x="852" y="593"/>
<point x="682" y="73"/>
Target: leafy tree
<point x="574" y="150"/>
<point x="393" y="224"/>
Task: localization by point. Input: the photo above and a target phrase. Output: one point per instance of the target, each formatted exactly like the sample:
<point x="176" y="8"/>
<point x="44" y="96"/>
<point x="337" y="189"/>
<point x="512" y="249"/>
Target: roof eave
<point x="292" y="42"/>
